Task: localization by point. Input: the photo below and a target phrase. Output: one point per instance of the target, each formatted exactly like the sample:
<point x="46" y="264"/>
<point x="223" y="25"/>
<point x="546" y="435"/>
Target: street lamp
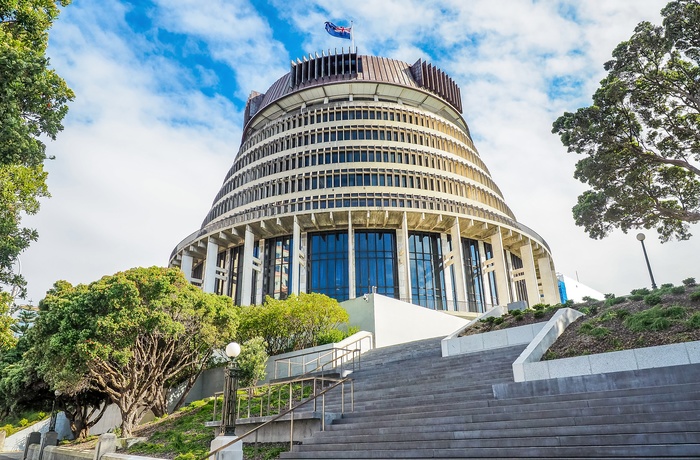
<point x="640" y="237"/>
<point x="228" y="424"/>
<point x="54" y="413"/>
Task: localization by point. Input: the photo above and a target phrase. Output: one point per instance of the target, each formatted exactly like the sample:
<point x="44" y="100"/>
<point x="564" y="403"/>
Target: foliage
<point x="654" y="319"/>
<point x="695" y="296"/>
<point x="331" y="336"/>
<point x="33" y="104"/>
<point x="694" y="321"/>
<point x="689" y="282"/>
<point x="181" y="435"/>
<point x="252" y="361"/>
<point x="7" y="338"/>
<point x="291" y="324"/>
<point x="641" y="137"/>
<point x="129" y="335"/>
<point x="589" y="328"/>
<point x="678" y="290"/>
<point x="652" y="299"/>
<point x="614" y="300"/>
<point x="641" y="291"/>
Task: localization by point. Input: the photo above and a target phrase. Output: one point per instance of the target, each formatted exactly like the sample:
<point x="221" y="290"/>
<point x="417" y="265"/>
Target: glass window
<point x="473" y="278"/>
<point x="277" y="267"/>
<point x="427" y="274"/>
<point x="375" y="263"/>
<point x="328" y="264"/>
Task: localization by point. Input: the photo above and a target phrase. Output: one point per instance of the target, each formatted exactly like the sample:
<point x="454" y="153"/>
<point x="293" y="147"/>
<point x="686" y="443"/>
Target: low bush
<point x="694" y="321"/>
<point x="654" y="319"/>
<point x="615" y="300"/>
<point x="690" y="282"/>
<point x="678" y="290"/>
<point x="652" y="299"/>
<point x="695" y="296"/>
<point x="641" y="291"/>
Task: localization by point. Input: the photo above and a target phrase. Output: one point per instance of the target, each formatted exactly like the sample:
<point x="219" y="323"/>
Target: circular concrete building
<point x="357" y="174"/>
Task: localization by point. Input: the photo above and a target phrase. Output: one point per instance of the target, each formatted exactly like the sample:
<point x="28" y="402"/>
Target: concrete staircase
<point x="412" y="403"/>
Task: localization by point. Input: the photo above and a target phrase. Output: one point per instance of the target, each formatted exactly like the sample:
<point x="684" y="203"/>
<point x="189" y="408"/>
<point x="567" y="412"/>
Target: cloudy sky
<point x="161" y="87"/>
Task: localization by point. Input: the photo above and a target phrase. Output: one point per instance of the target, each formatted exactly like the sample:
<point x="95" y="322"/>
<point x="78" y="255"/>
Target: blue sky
<point x="161" y="86"/>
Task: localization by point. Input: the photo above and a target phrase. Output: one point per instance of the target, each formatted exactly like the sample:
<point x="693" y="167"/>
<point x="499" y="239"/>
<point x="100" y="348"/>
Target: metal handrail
<point x="319" y="366"/>
<point x="291" y="410"/>
<point x="315" y="380"/>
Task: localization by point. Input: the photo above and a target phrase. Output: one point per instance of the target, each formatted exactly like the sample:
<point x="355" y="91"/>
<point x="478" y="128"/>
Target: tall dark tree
<point x="33" y="103"/>
<point x="130" y="335"/>
<point x="641" y="136"/>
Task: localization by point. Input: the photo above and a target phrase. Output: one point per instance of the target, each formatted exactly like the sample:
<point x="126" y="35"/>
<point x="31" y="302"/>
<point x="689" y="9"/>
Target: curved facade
<point x="358" y="174"/>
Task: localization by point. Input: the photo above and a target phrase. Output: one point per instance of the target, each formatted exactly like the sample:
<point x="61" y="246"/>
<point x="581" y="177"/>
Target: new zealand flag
<point x="337" y="31"/>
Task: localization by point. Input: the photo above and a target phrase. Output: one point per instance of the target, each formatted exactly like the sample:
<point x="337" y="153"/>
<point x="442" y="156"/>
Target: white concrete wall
<point x="544" y="339"/>
<point x="393" y="321"/>
<point x="490" y="340"/>
<point x="576" y="291"/>
<point x="627" y="360"/>
<point x="17" y="441"/>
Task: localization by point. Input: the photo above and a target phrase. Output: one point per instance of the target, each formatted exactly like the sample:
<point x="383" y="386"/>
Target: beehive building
<point x="358" y="174"/>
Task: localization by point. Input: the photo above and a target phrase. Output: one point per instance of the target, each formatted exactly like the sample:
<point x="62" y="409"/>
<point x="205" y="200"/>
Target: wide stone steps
<point x="414" y="404"/>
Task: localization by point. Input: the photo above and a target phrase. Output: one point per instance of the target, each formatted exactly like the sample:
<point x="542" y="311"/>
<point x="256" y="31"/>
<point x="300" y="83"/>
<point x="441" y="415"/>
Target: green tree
<point x="641" y="136"/>
<point x="252" y="361"/>
<point x="291" y="324"/>
<point x="130" y="335"/>
<point x="33" y="103"/>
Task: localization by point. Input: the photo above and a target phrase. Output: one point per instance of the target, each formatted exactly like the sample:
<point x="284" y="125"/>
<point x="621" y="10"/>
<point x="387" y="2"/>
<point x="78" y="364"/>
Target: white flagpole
<point x="352" y="37"/>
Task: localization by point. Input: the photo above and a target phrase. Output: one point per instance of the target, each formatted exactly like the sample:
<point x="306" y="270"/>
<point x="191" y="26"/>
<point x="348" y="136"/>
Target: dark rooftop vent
<point x="327" y="65"/>
<point x="435" y="80"/>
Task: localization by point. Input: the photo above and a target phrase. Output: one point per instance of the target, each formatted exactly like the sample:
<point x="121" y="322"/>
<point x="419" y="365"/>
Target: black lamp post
<point x="54" y="413"/>
<point x="228" y="424"/>
<point x="640" y="237"/>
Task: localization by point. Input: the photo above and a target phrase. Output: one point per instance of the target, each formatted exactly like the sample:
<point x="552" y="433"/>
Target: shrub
<point x="589" y="328"/>
<point x="589" y="299"/>
<point x="690" y="282"/>
<point x="497" y="320"/>
<point x="678" y="290"/>
<point x="636" y="297"/>
<point x="539" y="306"/>
<point x="652" y="299"/>
<point x="694" y="321"/>
<point x="654" y="319"/>
<point x="538" y="314"/>
<point x="615" y="300"/>
<point x="252" y="361"/>
<point x="516" y="312"/>
<point x="695" y="296"/>
<point x="642" y="291"/>
<point x="330" y="336"/>
<point x="622" y="313"/>
<point x="667" y="286"/>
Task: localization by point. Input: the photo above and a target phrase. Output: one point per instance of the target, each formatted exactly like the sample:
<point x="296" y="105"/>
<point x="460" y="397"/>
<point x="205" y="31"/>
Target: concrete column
<point x="351" y="257"/>
<point x="458" y="267"/>
<point x="258" y="265"/>
<point x="186" y="266"/>
<point x="303" y="255"/>
<point x="533" y="290"/>
<point x="296" y="251"/>
<point x="501" y="269"/>
<point x="246" y="279"/>
<point x="550" y="286"/>
<point x="209" y="281"/>
<point x="447" y="267"/>
<point x="403" y="260"/>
